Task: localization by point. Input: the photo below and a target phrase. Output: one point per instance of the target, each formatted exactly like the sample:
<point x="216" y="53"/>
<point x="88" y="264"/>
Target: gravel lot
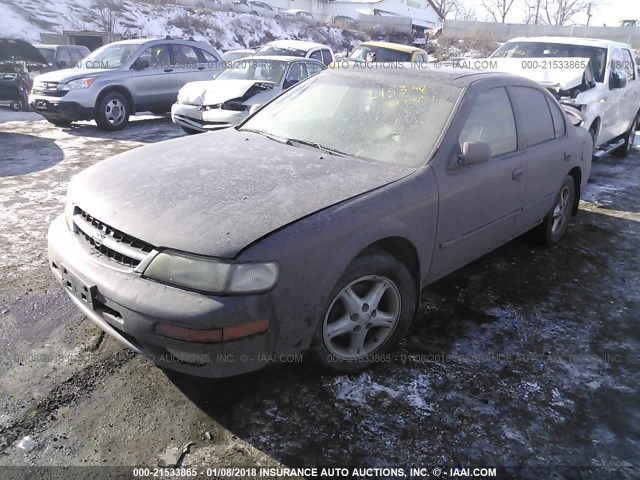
<point x="527" y="358"/>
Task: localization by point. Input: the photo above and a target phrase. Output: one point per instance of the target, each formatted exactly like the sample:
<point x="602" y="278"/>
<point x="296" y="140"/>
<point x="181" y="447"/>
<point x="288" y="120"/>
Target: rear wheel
<point x="371" y="308"/>
<point x="16" y="106"/>
<point x="624" y="149"/>
<point x="113" y="112"/>
<point x="556" y="222"/>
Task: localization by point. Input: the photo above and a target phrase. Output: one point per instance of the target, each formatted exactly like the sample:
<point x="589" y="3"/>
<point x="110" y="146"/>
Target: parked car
<point x="255" y="7"/>
<point x="18" y="60"/>
<point x="62" y="56"/>
<point x="604" y="87"/>
<point x="300" y="16"/>
<point x="123" y="78"/>
<point x="231" y="55"/>
<point x="226" y="101"/>
<point x="315" y="224"/>
<point x="342" y="21"/>
<point x="298" y="48"/>
<point x="387" y="52"/>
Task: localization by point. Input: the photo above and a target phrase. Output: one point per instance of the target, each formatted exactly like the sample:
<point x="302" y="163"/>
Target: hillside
<point x="25" y="19"/>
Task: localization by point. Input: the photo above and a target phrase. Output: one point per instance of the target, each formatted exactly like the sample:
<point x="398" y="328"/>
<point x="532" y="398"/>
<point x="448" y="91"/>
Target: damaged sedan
<point x="314" y="225"/>
<point x="226" y="101"/>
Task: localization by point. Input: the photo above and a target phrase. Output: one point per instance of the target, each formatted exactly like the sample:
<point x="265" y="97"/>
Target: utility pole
<point x="589" y="14"/>
<point x="537" y="11"/>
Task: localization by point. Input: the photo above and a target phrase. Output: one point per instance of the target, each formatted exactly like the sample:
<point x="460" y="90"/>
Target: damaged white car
<point x="598" y="79"/>
<point x="226" y="100"/>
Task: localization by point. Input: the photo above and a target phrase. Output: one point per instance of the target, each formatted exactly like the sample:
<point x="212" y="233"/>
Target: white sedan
<point x="226" y="100"/>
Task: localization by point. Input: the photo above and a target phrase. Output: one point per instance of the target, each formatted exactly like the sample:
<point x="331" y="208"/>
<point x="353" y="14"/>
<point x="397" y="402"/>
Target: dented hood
<point x="220" y="91"/>
<point x="561" y="73"/>
<point x="193" y="92"/>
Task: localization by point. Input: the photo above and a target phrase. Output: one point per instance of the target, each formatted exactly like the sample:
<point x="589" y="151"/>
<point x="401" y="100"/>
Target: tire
<point x="16" y="106"/>
<point x="58" y="123"/>
<point x="624" y="149"/>
<point x="113" y="112"/>
<point x="190" y="131"/>
<point x="555" y="224"/>
<point x="347" y="339"/>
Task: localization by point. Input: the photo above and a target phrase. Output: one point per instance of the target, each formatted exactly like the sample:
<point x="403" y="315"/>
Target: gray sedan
<point x="314" y="225"/>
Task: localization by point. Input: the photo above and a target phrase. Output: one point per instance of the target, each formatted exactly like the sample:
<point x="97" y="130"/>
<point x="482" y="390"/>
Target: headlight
<point x="78" y="84"/>
<point x="212" y="275"/>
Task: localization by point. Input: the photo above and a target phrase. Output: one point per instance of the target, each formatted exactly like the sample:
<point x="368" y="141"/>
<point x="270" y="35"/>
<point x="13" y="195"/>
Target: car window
<point x="538" y="123"/>
<point x="297" y="71"/>
<point x="184" y="55"/>
<point x="628" y="65"/>
<point x="157" y="56"/>
<point x="418" y="57"/>
<point x="491" y="121"/>
<point x="63" y="56"/>
<point x="76" y="55"/>
<point x="317" y="55"/>
<point x="211" y="58"/>
<point x="313" y="68"/>
<point x="558" y="118"/>
<point x="327" y="58"/>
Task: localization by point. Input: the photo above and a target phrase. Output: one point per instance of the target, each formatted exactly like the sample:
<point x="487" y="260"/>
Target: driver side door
<point x="479" y="203"/>
<point x="152" y="85"/>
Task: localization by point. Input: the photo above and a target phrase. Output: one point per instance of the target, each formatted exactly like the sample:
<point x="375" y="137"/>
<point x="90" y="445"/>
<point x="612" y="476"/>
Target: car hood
<point x="68" y="74"/>
<point x="220" y="91"/>
<point x="192" y="92"/>
<point x="216" y="193"/>
<point x="13" y="50"/>
<point x="542" y="70"/>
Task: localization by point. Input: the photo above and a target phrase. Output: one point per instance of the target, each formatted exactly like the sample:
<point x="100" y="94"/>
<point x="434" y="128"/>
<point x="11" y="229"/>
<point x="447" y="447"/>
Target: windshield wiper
<point x="270" y="136"/>
<point x="329" y="150"/>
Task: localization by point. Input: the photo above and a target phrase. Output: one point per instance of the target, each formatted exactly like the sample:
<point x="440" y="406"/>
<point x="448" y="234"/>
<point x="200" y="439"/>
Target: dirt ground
<point x="528" y="358"/>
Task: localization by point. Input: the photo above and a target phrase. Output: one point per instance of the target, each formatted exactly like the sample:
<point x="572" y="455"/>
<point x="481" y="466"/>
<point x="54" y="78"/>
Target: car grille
<point x="113" y="244"/>
<point x="49" y="89"/>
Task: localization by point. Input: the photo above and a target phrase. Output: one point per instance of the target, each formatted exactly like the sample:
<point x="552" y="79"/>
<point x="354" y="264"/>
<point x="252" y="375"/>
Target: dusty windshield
<point x="379" y="54"/>
<point x="247" y="69"/>
<point x="49" y="54"/>
<point x="391" y="119"/>
<point x="110" y="56"/>
<point x="597" y="55"/>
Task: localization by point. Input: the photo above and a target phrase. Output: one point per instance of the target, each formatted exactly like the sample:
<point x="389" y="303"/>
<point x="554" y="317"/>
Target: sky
<point x="608" y="12"/>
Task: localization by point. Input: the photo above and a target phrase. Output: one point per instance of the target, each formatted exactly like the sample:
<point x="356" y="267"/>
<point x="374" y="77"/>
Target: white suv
<point x="597" y="77"/>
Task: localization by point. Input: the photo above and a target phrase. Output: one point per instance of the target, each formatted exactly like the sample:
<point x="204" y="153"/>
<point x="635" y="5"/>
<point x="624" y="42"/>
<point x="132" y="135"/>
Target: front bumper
<point x="195" y="118"/>
<point x="127" y="307"/>
<point x="58" y="109"/>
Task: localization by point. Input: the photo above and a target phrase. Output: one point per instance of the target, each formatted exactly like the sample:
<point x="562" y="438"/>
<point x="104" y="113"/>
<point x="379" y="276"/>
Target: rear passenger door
<point x="479" y="203"/>
<point x="547" y="149"/>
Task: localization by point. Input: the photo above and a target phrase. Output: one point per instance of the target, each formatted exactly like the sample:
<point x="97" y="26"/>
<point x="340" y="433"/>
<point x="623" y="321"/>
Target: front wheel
<point x="556" y="222"/>
<point x="371" y="309"/>
<point x="624" y="149"/>
<point x="113" y="112"/>
<point x="16" y="106"/>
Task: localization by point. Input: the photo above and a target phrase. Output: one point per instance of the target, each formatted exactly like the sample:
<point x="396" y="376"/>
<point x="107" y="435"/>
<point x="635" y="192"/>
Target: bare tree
<point x="531" y="11"/>
<point x="498" y="9"/>
<point x="109" y="12"/>
<point x="465" y="14"/>
<point x="447" y="7"/>
<point x="562" y="12"/>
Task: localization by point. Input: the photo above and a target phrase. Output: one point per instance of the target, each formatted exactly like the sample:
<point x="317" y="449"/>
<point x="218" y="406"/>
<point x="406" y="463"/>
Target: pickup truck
<point x="599" y="78"/>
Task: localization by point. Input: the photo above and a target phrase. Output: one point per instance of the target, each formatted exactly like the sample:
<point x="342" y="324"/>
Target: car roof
<point x="281" y="58"/>
<point x="50" y="45"/>
<point x="594" y="42"/>
<point x="458" y="77"/>
<point x="301" y="44"/>
<point x="393" y="46"/>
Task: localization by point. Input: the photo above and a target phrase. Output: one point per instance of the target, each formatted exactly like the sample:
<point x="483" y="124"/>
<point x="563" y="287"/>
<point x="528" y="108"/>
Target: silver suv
<point x="121" y="79"/>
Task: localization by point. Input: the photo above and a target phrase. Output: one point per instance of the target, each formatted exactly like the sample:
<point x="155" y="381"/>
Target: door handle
<point x="567" y="156"/>
<point x="517" y="173"/>
<point x="201" y="68"/>
<point x="168" y="70"/>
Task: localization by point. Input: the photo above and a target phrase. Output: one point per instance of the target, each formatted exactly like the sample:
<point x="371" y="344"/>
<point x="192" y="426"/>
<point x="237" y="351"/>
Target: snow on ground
<point x="25" y="19"/>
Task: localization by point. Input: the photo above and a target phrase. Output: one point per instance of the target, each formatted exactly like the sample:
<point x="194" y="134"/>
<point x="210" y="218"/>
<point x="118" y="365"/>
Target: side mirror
<point x="62" y="64"/>
<point x="289" y="84"/>
<point x="254" y="108"/>
<point x="141" y="64"/>
<point x="618" y="79"/>
<point x="474" y="152"/>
